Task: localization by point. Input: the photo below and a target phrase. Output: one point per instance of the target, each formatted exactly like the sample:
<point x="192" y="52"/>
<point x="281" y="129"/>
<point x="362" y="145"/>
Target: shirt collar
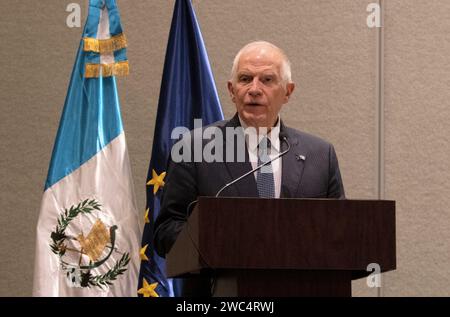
<point x="253" y="139"/>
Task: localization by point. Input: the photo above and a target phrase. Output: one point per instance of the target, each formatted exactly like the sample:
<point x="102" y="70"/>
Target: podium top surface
<point x="293" y="234"/>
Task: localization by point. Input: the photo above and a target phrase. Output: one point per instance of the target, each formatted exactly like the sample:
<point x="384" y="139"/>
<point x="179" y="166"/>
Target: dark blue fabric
<point x="187" y="92"/>
<point x="264" y="176"/>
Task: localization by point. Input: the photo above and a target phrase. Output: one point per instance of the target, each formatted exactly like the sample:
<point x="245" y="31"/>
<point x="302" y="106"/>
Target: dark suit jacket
<point x="317" y="176"/>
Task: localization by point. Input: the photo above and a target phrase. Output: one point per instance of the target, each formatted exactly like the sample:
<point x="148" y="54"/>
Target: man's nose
<point x="255" y="89"/>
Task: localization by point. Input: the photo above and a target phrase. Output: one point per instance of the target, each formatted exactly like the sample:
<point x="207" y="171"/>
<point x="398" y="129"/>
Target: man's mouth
<point x="253" y="104"/>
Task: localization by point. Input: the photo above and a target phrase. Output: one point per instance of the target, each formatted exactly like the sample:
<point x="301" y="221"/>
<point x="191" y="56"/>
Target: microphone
<point x="283" y="137"/>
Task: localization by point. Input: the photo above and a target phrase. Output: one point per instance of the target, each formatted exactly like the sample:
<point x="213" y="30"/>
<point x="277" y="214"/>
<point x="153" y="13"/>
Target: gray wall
<point x="339" y="95"/>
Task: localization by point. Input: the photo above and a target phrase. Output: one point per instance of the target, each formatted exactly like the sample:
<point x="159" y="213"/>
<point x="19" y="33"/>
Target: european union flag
<point x="187" y="92"/>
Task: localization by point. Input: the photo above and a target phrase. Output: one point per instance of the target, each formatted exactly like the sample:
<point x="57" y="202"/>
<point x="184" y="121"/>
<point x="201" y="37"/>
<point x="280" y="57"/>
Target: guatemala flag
<point x="88" y="231"/>
<point x="187" y="92"/>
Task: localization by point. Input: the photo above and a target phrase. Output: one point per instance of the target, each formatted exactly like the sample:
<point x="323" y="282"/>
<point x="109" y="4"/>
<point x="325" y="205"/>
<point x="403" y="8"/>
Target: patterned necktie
<point x="264" y="176"/>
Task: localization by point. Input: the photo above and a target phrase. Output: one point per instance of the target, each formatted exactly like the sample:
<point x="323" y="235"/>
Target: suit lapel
<point x="292" y="166"/>
<point x="246" y="187"/>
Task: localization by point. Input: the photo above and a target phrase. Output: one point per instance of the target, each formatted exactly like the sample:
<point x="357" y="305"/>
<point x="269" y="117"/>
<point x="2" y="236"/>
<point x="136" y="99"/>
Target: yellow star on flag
<point x="146" y="220"/>
<point x="157" y="181"/>
<point x="142" y="253"/>
<point x="148" y="290"/>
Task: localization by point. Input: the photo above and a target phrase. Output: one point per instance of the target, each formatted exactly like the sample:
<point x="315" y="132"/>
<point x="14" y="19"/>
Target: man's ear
<point x="231" y="91"/>
<point x="289" y="90"/>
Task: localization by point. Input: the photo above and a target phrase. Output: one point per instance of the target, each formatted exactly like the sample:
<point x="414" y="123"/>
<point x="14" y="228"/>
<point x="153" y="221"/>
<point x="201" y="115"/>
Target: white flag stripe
<point x="107" y="179"/>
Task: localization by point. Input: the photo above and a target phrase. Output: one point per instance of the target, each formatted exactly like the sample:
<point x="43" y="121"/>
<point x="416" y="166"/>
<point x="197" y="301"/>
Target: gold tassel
<point x="92" y="71"/>
<point x="113" y="44"/>
<point x="107" y="70"/>
<point x="121" y="68"/>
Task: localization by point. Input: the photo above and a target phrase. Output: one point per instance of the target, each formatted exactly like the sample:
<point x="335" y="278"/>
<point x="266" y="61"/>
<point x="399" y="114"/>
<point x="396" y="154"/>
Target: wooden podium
<point x="285" y="247"/>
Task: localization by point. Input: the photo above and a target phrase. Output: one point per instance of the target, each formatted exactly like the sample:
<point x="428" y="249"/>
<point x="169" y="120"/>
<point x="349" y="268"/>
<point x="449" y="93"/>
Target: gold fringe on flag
<point x="107" y="70"/>
<point x="113" y="44"/>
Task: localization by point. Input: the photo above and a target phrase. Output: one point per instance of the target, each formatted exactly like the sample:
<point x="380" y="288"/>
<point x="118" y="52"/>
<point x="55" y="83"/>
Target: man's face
<point x="258" y="90"/>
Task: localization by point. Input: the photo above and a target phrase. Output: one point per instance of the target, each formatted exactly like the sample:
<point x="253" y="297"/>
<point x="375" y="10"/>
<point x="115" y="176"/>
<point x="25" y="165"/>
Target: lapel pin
<point x="300" y="157"/>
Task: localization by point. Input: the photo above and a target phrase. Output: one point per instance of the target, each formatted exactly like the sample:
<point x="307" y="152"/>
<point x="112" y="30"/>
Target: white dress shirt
<point x="252" y="139"/>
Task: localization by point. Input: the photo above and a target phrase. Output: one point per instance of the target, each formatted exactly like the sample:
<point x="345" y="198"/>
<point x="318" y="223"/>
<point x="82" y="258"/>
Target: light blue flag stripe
<point x="90" y="121"/>
<point x="91" y="117"/>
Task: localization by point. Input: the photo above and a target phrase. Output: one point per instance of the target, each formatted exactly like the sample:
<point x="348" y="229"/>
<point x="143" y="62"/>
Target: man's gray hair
<point x="286" y="74"/>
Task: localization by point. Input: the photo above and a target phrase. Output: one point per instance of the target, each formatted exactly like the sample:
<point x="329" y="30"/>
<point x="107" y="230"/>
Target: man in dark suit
<point x="260" y="85"/>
